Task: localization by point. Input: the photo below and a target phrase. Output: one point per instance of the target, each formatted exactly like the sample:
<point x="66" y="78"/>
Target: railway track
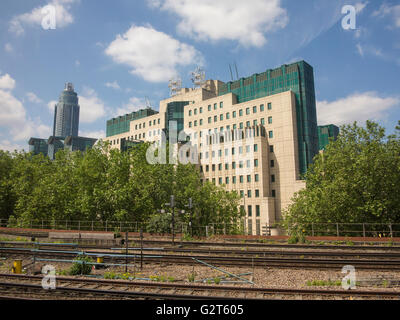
<point x="235" y="261"/>
<point x="29" y="287"/>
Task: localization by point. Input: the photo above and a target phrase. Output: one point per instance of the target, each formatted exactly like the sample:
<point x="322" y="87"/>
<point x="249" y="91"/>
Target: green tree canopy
<point x="355" y="180"/>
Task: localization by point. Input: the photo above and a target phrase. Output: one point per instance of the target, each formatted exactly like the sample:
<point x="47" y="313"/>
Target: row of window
<point x="262" y="108"/>
<point x="140" y="125"/>
<point x="241" y="179"/>
<point x="195" y="123"/>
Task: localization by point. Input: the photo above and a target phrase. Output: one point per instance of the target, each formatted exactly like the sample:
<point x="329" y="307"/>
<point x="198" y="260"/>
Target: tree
<point x="355" y="180"/>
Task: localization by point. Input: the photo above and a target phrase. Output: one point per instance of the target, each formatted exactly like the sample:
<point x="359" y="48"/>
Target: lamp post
<point x="190" y="206"/>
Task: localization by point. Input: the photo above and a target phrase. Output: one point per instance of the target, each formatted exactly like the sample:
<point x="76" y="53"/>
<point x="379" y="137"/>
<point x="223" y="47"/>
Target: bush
<point x="81" y="266"/>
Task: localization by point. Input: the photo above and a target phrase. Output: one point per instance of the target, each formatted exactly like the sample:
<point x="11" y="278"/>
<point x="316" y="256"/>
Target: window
<point x="255" y="163"/>
<point x="262" y="121"/>
<point x="241" y="179"/>
<point x="158" y="121"/>
<point x="226" y="152"/>
<point x="247" y="124"/>
<point x="241" y="194"/>
<point x="209" y="119"/>
<point x="247" y="149"/>
<point x="215" y="118"/>
<point x="249" y="178"/>
<point x="213" y="154"/>
<point x="221" y="117"/>
<point x="270" y="106"/>
<point x="240" y="150"/>
<point x="240" y="113"/>
<point x="206" y="155"/>
<point x="234" y="179"/>
<point x="213" y="180"/>
<point x="240" y="164"/>
<point x="226" y="166"/>
<point x="215" y="106"/>
<point x="201" y="109"/>
<point x="149" y="123"/>
<point x="271" y="148"/>
<point x="241" y="125"/>
<point x="190" y="124"/>
<point x="255" y="147"/>
<point x="255" y="109"/>
<point x="220" y="166"/>
<point x="272" y="163"/>
<point x="257" y="193"/>
<point x="227" y="180"/>
<point x="234" y="126"/>
<point x="234" y="114"/>
<point x="272" y="178"/>
<point x="247" y="110"/>
<point x="273" y="193"/>
<point x="269" y="120"/>
<point x="248" y="163"/>
<point x="207" y="168"/>
<point x="195" y="123"/>
<point x="271" y="134"/>
<point x="254" y="122"/>
<point x="256" y="178"/>
<point x="220" y="180"/>
<point x="248" y="193"/>
<point x="249" y="210"/>
<point x="257" y="210"/>
<point x="221" y="105"/>
<point x="261" y="108"/>
<point x="201" y="122"/>
<point x="233" y="165"/>
<point x="227" y="116"/>
<point x="213" y="167"/>
<point x="209" y="107"/>
<point x="233" y="151"/>
<point x="219" y="153"/>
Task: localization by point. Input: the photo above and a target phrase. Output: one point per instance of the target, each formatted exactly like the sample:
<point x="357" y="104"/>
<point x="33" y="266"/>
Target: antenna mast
<point x="175" y="86"/>
<point x="198" y="78"/>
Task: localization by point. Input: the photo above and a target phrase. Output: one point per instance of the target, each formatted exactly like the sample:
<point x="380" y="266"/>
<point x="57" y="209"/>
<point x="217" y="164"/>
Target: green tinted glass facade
<point x="122" y="124"/>
<point x="325" y="133"/>
<point x="298" y="77"/>
<point x="175" y="112"/>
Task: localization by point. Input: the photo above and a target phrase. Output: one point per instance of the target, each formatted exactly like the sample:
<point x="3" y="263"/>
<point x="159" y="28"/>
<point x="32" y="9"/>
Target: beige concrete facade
<point x="249" y="147"/>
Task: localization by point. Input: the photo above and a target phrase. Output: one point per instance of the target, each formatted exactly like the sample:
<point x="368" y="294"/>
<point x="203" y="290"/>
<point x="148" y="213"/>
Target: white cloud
<point x="33" y="98"/>
<point x="389" y="10"/>
<point x="92" y="107"/>
<point x="113" y="85"/>
<point x="6" y="82"/>
<point x="134" y="104"/>
<point x="360" y="6"/>
<point x="356" y="107"/>
<point x="360" y="50"/>
<point x="93" y="134"/>
<point x="13" y="115"/>
<point x="247" y="22"/>
<point x="7" y="145"/>
<point x="51" y="105"/>
<point x="152" y="55"/>
<point x="8" y="48"/>
<point x="34" y="18"/>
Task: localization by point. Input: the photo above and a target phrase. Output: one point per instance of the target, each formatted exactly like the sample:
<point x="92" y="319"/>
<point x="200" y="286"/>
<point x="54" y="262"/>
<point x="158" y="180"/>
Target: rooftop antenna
<point x="148" y="104"/>
<point x="230" y="69"/>
<point x="237" y="74"/>
<point x="198" y="78"/>
<point x="175" y="86"/>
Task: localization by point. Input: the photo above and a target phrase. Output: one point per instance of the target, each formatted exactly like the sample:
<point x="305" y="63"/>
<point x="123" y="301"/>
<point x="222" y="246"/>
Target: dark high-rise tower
<point x="66" y="114"/>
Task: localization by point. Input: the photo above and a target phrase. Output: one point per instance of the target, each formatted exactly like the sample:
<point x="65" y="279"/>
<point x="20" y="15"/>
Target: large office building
<point x="325" y="134"/>
<point x="66" y="114"/>
<point x="255" y="135"/>
<point x="65" y="128"/>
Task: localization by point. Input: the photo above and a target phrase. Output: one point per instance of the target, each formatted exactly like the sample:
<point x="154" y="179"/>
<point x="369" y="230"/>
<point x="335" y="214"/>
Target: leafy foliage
<point x="107" y="185"/>
<point x="355" y="180"/>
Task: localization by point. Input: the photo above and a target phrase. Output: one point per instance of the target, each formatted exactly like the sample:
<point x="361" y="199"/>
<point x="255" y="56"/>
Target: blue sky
<point x="119" y="52"/>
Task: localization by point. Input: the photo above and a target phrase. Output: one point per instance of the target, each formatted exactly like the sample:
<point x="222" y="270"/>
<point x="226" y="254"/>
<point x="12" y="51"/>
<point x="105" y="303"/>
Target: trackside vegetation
<point x="108" y="185"/>
<point x="355" y="180"/>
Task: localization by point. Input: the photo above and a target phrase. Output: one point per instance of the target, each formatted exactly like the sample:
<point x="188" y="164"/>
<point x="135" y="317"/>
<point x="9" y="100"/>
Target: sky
<point x="121" y="53"/>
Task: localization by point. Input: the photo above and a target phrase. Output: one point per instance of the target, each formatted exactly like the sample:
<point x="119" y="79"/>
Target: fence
<point x="119" y="227"/>
<point x="311" y="229"/>
<point x="351" y="229"/>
